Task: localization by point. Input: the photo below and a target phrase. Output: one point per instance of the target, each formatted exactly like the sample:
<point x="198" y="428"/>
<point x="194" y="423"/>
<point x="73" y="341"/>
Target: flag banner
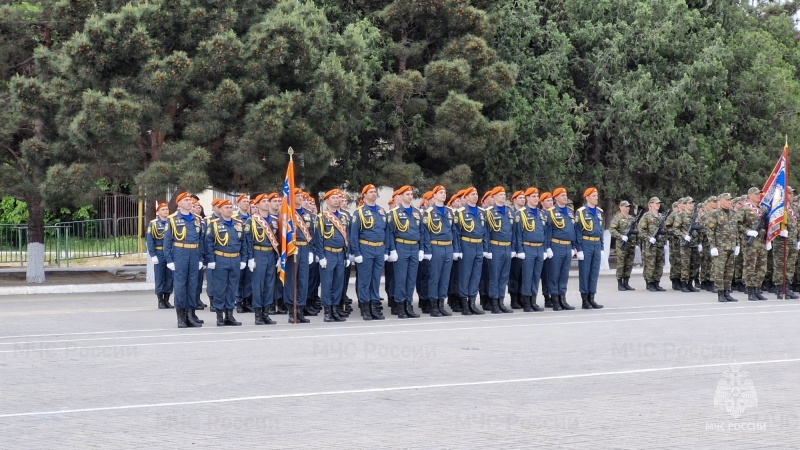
<point x="774" y="196"/>
<point x="288" y="247"/>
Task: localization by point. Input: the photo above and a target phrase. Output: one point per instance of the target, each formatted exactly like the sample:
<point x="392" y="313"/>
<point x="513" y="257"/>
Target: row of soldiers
<point x="717" y="245"/>
<point x="448" y="251"/>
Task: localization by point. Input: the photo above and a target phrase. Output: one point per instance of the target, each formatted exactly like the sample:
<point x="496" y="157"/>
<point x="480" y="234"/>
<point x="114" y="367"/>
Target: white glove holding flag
<point x="699" y="247"/>
<point x="456" y="256"/>
<point x="784" y="233"/>
<point x="652" y="240"/>
<point x="428" y="256"/>
<point x="513" y="254"/>
<point x="487" y="255"/>
<point x="310" y="259"/>
<point x="200" y="265"/>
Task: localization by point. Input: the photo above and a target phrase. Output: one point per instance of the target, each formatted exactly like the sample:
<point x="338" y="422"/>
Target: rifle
<point x="632" y="229"/>
<point x="693" y="225"/>
<point x="659" y="228"/>
<point x="762" y="224"/>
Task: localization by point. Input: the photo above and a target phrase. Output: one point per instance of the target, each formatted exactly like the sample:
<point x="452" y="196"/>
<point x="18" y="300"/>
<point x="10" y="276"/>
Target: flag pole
<point x="785" y="209"/>
<point x="294" y="270"/>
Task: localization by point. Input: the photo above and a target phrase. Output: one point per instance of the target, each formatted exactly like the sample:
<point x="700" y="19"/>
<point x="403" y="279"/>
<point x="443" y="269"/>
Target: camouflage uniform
<point x="620" y="225"/>
<point x="755" y="254"/>
<point x="674" y="247"/>
<point x="738" y="264"/>
<point x="706" y="261"/>
<point x="789" y="243"/>
<point x="652" y="255"/>
<point x="723" y="236"/>
<point x="689" y="257"/>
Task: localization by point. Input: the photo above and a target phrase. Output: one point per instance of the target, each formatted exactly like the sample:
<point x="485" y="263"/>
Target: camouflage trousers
<point x="706" y="263"/>
<point x="778" y="245"/>
<point x="674" y="259"/>
<point x="690" y="263"/>
<point x="653" y="260"/>
<point x="625" y="260"/>
<point x="754" y="264"/>
<point x="722" y="270"/>
<point x="738" y="267"/>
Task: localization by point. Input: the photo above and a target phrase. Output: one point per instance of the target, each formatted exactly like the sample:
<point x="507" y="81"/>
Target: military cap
<point x="790" y="190"/>
<point x="713" y="198"/>
<point x="753" y="190"/>
<point x="725" y="196"/>
<point x="624" y="203"/>
<point x="688" y="200"/>
<point x="654" y="200"/>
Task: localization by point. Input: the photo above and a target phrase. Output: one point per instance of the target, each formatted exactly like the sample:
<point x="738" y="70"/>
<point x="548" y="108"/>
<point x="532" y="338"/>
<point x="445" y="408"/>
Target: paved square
<point x="651" y="370"/>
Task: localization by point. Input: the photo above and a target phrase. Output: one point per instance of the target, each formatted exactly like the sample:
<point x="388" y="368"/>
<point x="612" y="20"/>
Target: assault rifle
<point x="633" y="229"/>
<point x="693" y="225"/>
<point x="762" y="225"/>
<point x="659" y="228"/>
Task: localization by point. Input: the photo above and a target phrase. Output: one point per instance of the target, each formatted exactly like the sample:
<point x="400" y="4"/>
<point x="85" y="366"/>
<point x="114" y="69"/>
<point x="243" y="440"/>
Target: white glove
<point x="359" y="259"/>
<point x="769" y="245"/>
<point x="385" y="258"/>
<point x="212" y="265"/>
<point x="574" y="252"/>
<point x="421" y="256"/>
<point x="200" y="265"/>
<point x="171" y="266"/>
<point x="350" y="259"/>
<point x="277" y="264"/>
<point x="736" y="250"/>
<point x="752" y="233"/>
<point x="544" y="256"/>
<point x="520" y="255"/>
<point x="624" y="238"/>
<point x="687" y="238"/>
<point x="784" y="233"/>
<point x="428" y="256"/>
<point x="549" y="253"/>
<point x="513" y="254"/>
<point x="154" y="259"/>
<point x="393" y="256"/>
<point x="242" y="265"/>
<point x="323" y="263"/>
<point x="455" y="256"/>
<point x="699" y="247"/>
<point x="347" y="262"/>
<point x="310" y="259"/>
<point x="487" y="255"/>
<point x="652" y="240"/>
<point x="316" y="258"/>
<point x="798" y="245"/>
<point x="251" y="264"/>
<point x="580" y="256"/>
<point x="714" y="252"/>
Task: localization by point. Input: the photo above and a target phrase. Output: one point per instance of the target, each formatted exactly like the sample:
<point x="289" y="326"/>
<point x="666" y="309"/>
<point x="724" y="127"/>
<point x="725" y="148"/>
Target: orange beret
<point x="224" y="202"/>
<point x="272" y="195"/>
<point x="297" y="191"/>
<point x="331" y="193"/>
<point x="437" y="188"/>
<point x="428" y="195"/>
<point x="242" y="197"/>
<point x="366" y="189"/>
<point x="181" y="196"/>
<point x="259" y="198"/>
<point x="216" y="201"/>
<point x="531" y="191"/>
<point x="544" y="196"/>
<point x="517" y="194"/>
<point x="498" y="189"/>
<point x="558" y="191"/>
<point x="391" y="201"/>
<point x="161" y="205"/>
<point x="195" y="201"/>
<point x="403" y="189"/>
<point x="589" y="191"/>
<point x="488" y="193"/>
<point x="468" y="191"/>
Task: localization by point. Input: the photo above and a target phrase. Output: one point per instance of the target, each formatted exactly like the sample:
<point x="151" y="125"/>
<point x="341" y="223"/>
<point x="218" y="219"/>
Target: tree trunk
<point x="35" y="272"/>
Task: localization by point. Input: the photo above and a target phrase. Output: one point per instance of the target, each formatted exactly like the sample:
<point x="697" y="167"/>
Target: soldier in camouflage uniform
<point x="738" y="263"/>
<point x="755" y="254"/>
<point x="723" y="238"/>
<point x="653" y="240"/>
<point x="689" y="258"/>
<point x="674" y="245"/>
<point x="796" y="278"/>
<point x="619" y="227"/>
<point x="705" y="257"/>
<point x="787" y="240"/>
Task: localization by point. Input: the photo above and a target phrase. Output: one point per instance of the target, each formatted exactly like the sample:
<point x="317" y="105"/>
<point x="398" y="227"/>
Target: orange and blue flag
<point x="774" y="197"/>
<point x="288" y="247"/>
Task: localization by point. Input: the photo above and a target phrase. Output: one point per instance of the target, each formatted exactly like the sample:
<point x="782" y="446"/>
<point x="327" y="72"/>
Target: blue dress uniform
<point x="224" y="248"/>
<point x="303" y="223"/>
<point x="182" y="241"/>
<point x="262" y="245"/>
<point x="344" y="304"/>
<point x="471" y="232"/>
<point x="155" y="247"/>
<point x="529" y="240"/>
<point x="330" y="244"/>
<point x="369" y="239"/>
<point x="208" y="272"/>
<point x="439" y="240"/>
<point x="500" y="220"/>
<point x="589" y="240"/>
<point x="560" y="239"/>
<point x="244" y="293"/>
<point x="404" y="228"/>
<point x="280" y="306"/>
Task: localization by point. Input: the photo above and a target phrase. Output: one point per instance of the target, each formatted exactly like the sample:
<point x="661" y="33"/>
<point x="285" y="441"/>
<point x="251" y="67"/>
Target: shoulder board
<point x="394" y="209"/>
<point x="488" y="208"/>
<point x="428" y="209"/>
<point x="600" y="209"/>
<point x="215" y="219"/>
<point x="154" y="220"/>
<point x="482" y="209"/>
<point x="551" y="208"/>
<point x="237" y="220"/>
<point x="175" y="214"/>
<point x="460" y="208"/>
<point x="582" y="208"/>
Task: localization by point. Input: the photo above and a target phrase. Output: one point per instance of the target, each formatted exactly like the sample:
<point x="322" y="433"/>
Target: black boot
<point x="328" y="316"/>
<point x="260" y="316"/>
<point x="676" y="284"/>
<point x="442" y="310"/>
<point x="375" y="310"/>
<point x="721" y="297"/>
<point x="202" y="305"/>
<point x="790" y="295"/>
<point x="195" y="319"/>
<point x="425" y="306"/>
<point x="657" y="284"/>
<point x="585" y="301"/>
<point x="265" y="316"/>
<point x="410" y="310"/>
<point x="230" y="320"/>
<point x="627" y="284"/>
<point x="711" y="287"/>
<point x="594" y="304"/>
<point x="751" y="294"/>
<point x="495" y="308"/>
<point x="211" y="302"/>
<point x="556" y="302"/>
<point x="220" y="319"/>
<point x="280" y="308"/>
<point x="728" y="297"/>
<point x="621" y="284"/>
<point x="526" y="303"/>
<point x="698" y="285"/>
<point x="187" y="317"/>
<point x="534" y="306"/>
<point x="502" y="307"/>
<point x="400" y="310"/>
<point x="392" y="306"/>
<point x="455" y="303"/>
<point x="181" y="317"/>
<point x="248" y="304"/>
<point x="685" y="287"/>
<point x="564" y="305"/>
<point x="301" y="318"/>
<point x="239" y="307"/>
<point x="161" y="304"/>
<point x="474" y="308"/>
<point x="515" y="301"/>
<point x="365" y="311"/>
<point x="690" y="287"/>
<point x="651" y="286"/>
<point x="465" y="309"/>
<point x="486" y="302"/>
<point x="166" y="301"/>
<point x="336" y="314"/>
<point x="434" y="309"/>
<point x="759" y="294"/>
<point x="548" y="301"/>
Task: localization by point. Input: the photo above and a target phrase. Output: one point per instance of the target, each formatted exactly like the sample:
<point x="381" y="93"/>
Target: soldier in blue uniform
<point x="197" y="210"/>
<point x="244" y="293"/>
<point x="303" y="223"/>
<point x="404" y="228"/>
<point x="155" y="248"/>
<point x="500" y="220"/>
<point x="279" y="307"/>
<point x="261" y="240"/>
<point x="388" y="267"/>
<point x="210" y="272"/>
<point x="345" y="304"/>
<point x="182" y="240"/>
<point x="529" y="248"/>
<point x="545" y="203"/>
<point x="453" y="294"/>
<point x="589" y="243"/>
<point x="483" y="286"/>
<point x="423" y="272"/>
<point x="440" y="246"/>
<point x="471" y="231"/>
<point x="330" y="247"/>
<point x="560" y="241"/>
<point x="313" y="301"/>
<point x="515" y="274"/>
<point x="227" y="257"/>
<point x="369" y="245"/>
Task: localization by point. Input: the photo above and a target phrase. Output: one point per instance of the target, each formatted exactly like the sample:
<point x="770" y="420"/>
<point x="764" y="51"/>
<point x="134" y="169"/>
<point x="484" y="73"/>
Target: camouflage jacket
<point x="648" y="225"/>
<point x="619" y="226"/>
<point x="722" y="229"/>
<point x="747" y="218"/>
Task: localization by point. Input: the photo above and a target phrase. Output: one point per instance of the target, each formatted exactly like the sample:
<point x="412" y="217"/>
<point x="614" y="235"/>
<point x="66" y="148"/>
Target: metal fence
<point x="81" y="239"/>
